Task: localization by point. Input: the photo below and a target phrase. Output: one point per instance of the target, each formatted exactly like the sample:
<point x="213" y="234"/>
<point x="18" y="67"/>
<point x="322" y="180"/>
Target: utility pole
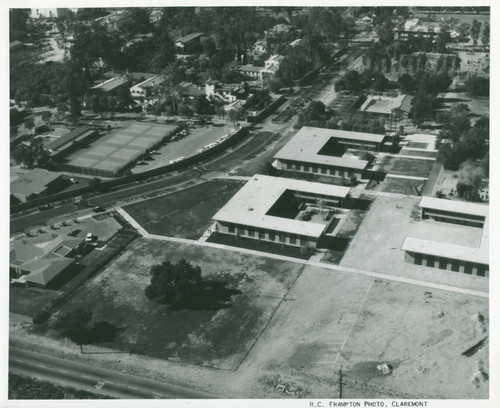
<point x="340" y="383"/>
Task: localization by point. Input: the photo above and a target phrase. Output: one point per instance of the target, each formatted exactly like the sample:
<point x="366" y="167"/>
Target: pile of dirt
<point x="480" y="375"/>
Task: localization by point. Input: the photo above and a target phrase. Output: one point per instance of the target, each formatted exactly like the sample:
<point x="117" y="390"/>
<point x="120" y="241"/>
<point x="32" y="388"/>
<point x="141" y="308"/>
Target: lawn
<point x="398" y="185"/>
<point x="218" y="336"/>
<point x="418" y="145"/>
<point x="25" y="301"/>
<point x="185" y="214"/>
<point x="418" y="153"/>
<point x="411" y="167"/>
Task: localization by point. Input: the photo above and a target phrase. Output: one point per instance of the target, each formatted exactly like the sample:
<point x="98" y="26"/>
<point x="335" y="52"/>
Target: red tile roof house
<point x="43" y="264"/>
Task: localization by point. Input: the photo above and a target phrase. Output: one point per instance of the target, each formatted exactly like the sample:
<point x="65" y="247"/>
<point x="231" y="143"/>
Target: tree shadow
<point x="99" y="332"/>
<point x="211" y="295"/>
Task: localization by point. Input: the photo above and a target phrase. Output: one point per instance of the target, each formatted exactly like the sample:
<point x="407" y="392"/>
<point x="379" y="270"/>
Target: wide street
<point x="94" y="379"/>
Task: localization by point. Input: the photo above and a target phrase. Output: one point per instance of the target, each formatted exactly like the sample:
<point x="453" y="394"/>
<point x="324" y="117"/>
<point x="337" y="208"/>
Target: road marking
<point x="86" y="376"/>
<point x="62" y="371"/>
<point x="41" y="365"/>
<point x="132" y="388"/>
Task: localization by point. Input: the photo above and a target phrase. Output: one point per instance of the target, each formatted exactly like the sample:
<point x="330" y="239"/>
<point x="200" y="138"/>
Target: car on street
<point x="98" y="209"/>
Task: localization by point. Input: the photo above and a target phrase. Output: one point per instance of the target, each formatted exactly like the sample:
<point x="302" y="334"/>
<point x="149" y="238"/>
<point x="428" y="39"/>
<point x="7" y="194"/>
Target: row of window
<point x="267" y="234"/>
<point x="442" y="263"/>
<point x="431" y="211"/>
<point x="316" y="168"/>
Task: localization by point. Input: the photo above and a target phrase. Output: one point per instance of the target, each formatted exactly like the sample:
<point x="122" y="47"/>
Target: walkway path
<point x="338" y="268"/>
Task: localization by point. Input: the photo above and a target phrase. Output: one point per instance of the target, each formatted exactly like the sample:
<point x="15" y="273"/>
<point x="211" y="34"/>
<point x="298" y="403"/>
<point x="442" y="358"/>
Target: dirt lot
<point x="186" y="214"/>
<point x="217" y="336"/>
<point x="332" y="318"/>
<point x="377" y="245"/>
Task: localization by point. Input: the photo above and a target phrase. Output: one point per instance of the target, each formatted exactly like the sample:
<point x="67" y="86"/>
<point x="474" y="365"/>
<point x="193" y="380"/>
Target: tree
<point x="475" y="30"/>
<point x="75" y="325"/>
<point x="95" y="183"/>
<point x="14" y="131"/>
<point x="174" y="283"/>
<point x="29" y="124"/>
<point x="46" y="116"/>
<point x="485" y="36"/>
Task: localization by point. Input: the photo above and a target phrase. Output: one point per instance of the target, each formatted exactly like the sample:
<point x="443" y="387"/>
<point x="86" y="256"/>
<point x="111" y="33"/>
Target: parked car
<point x="89" y="237"/>
<point x="73" y="180"/>
<point x="98" y="209"/>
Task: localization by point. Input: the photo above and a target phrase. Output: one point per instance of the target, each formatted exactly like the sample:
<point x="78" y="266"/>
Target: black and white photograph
<point x="214" y="204"/>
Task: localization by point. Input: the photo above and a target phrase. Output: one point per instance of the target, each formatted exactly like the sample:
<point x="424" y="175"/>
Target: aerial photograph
<point x="249" y="202"/>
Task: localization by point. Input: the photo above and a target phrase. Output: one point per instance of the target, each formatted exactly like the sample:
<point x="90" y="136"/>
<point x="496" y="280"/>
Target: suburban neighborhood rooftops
<point x="251" y="203"/>
<point x="189" y="37"/>
<point x="308" y="141"/>
<point x="43" y="271"/>
<point x="250" y="68"/>
<point x="454" y="206"/>
<point x="416" y="25"/>
<point x="33" y="182"/>
<point x="447" y="250"/>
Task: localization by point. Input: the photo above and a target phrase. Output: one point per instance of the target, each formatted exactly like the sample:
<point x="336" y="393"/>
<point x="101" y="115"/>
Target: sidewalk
<point x="318" y="264"/>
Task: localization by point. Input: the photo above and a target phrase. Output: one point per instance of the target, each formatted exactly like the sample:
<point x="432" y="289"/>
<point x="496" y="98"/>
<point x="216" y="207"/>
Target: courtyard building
<point x="284" y="211"/>
<point x="472" y="260"/>
<point x="324" y="152"/>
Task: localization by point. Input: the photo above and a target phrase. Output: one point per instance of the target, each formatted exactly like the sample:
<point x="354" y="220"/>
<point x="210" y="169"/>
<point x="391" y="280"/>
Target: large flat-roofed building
<point x="384" y="104"/>
<point x="113" y="153"/>
<point x="469" y="259"/>
<point x="272" y="209"/>
<point x="316" y="150"/>
<point x="71" y="141"/>
<point x="415" y="29"/>
<point x="457" y="212"/>
<point x="189" y="43"/>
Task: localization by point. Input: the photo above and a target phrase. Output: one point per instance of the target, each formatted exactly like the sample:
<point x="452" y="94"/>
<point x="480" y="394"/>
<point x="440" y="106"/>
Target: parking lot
<point x="183" y="145"/>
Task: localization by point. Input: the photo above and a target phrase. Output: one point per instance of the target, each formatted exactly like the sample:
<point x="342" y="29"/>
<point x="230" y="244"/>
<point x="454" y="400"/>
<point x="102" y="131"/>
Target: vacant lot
<point x="377" y="245"/>
<point x="411" y="167"/>
<point x="418" y="153"/>
<point x="186" y="214"/>
<point x="335" y="319"/>
<point x="245" y="293"/>
<point x="418" y="145"/>
<point x="26" y="301"/>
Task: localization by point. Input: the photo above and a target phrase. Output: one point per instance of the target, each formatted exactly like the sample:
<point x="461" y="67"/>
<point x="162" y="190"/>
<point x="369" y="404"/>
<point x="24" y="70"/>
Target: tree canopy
<point x="174" y="283"/>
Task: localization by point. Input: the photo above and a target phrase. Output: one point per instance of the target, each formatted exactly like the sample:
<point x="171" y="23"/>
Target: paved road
<point x="84" y="376"/>
<point x="18" y="224"/>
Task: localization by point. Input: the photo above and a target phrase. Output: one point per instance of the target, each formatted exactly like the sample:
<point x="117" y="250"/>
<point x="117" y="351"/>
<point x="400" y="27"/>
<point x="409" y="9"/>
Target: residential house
<point x="43" y="264"/>
<point x="110" y="86"/>
<point x="147" y="88"/>
<point x="189" y="44"/>
<point x="36" y="183"/>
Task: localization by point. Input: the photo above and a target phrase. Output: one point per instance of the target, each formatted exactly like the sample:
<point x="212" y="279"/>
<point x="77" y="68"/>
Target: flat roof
<point x="251" y="203"/>
<point x="308" y="141"/>
<point x="111" y="84"/>
<point x="454" y="206"/>
<point x="33" y="182"/>
<point x="117" y="149"/>
<point x="188" y="37"/>
<point x="69" y="137"/>
<point x="447" y="250"/>
<point x="382" y="104"/>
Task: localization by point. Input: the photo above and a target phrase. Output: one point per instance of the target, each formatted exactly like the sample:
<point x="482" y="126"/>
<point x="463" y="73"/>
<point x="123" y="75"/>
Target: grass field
<point x="185" y="214"/>
<point x="25" y="301"/>
<point x="418" y="153"/>
<point x="398" y="185"/>
<point x="418" y="145"/>
<point x="411" y="167"/>
<point x="217" y="336"/>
